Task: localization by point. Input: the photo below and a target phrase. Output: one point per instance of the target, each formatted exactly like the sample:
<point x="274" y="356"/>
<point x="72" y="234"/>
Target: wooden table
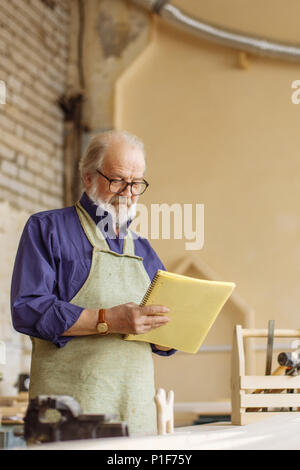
<point x="274" y="433"/>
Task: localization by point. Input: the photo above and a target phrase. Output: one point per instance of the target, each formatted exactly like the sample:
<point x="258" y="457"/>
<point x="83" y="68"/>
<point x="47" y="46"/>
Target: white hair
<point x="96" y="150"/>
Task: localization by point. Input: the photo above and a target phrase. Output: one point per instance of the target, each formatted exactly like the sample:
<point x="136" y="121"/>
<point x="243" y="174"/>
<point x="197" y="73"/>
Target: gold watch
<point x="102" y="326"/>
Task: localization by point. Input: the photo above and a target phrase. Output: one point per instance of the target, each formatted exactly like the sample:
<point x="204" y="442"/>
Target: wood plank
<point x="249" y="418"/>
<point x="252" y="332"/>
<point x="12" y="410"/>
<point x="22" y="396"/>
<point x="269" y="381"/>
<point x="204" y="407"/>
<point x="237" y="370"/>
<point x="11" y="421"/>
<point x="4" y="401"/>
<point x="270" y="400"/>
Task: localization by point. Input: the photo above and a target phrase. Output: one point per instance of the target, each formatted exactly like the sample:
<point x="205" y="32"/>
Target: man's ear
<point x="87" y="179"/>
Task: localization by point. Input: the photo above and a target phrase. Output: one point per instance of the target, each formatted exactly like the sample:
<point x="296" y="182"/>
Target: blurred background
<point x="220" y="129"/>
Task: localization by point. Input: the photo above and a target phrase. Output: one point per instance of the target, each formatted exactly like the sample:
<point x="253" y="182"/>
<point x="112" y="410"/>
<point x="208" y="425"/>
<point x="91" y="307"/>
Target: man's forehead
<point x="124" y="155"/>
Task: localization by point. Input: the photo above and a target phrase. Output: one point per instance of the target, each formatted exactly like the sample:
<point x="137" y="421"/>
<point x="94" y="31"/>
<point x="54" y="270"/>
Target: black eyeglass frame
<point x="127" y="183"/>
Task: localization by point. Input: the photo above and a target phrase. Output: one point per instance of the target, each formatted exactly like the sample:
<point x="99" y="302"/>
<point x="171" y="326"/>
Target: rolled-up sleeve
<point x="163" y="353"/>
<point x="36" y="308"/>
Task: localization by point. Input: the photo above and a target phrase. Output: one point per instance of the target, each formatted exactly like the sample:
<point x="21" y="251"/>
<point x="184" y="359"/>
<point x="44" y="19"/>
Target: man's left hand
<point x="162" y="348"/>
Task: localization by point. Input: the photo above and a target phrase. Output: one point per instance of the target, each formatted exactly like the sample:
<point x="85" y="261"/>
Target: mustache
<point x="117" y="199"/>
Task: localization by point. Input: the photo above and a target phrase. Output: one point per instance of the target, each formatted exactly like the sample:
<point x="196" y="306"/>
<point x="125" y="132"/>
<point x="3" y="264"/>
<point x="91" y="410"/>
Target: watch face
<point x="102" y="327"/>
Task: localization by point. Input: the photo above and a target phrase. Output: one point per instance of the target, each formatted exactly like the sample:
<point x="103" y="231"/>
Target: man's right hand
<point x="131" y="318"/>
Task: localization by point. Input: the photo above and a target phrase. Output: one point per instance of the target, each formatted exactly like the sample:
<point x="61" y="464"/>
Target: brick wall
<point x="34" y="48"/>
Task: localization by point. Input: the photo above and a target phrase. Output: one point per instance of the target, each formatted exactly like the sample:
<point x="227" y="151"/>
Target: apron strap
<point x="96" y="237"/>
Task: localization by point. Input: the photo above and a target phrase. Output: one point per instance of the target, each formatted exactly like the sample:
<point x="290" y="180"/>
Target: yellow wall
<point x="228" y="138"/>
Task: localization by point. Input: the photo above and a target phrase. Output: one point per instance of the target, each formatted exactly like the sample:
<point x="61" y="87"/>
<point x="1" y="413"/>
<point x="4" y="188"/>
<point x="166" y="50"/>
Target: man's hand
<point x="130" y="318"/>
<point x="162" y="348"/>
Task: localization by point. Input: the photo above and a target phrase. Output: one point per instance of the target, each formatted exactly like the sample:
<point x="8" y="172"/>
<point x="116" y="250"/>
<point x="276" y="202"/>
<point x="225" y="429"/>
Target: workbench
<point x="274" y="433"/>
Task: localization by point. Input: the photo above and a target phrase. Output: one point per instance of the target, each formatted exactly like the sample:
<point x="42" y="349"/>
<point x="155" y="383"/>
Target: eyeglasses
<point x="117" y="186"/>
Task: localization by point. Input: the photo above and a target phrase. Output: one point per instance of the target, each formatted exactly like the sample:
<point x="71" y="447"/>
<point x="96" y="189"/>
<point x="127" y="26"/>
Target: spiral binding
<point x="150" y="289"/>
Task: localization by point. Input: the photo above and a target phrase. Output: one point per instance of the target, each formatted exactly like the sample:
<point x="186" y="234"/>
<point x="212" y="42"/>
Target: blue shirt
<point x="52" y="263"/>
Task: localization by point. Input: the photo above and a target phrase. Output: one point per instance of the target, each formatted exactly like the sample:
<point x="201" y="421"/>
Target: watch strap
<point x="101" y="315"/>
<point x="102" y="326"/>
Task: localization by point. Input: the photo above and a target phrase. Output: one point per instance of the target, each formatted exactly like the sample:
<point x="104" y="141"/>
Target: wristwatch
<point x="102" y="326"/>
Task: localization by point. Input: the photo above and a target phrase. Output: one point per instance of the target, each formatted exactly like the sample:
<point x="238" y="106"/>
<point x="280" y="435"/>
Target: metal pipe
<point x="214" y="33"/>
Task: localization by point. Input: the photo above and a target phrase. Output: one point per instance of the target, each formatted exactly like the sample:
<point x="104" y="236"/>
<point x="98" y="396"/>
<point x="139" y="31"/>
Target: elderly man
<point x="79" y="277"/>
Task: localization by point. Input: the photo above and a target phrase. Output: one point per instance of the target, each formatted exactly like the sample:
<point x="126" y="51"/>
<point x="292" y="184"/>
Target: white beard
<point x="121" y="210"/>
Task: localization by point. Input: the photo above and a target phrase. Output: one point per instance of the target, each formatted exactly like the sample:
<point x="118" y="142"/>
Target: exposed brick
<point x="5" y="181"/>
<point x="57" y="189"/>
<point x="16" y="143"/>
<point x="8" y="64"/>
<point x="4" y="32"/>
<point x="58" y="165"/>
<point x="26" y="176"/>
<point x="3" y="46"/>
<point x="14" y="83"/>
<point x="35" y="165"/>
<point x="19" y="130"/>
<point x="39" y="6"/>
<point x="19" y="101"/>
<point x="3" y="75"/>
<point x="40" y="182"/>
<point x="6" y="152"/>
<point x="30" y="13"/>
<point x="53" y="201"/>
<point x="32" y="193"/>
<point x="49" y="173"/>
<point x="21" y="160"/>
<point x="9" y="168"/>
<point x="6" y="122"/>
<point x="34" y="60"/>
<point x="43" y="156"/>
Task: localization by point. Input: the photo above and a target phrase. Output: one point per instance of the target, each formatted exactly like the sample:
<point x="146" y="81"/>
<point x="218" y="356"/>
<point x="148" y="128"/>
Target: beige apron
<point x="105" y="374"/>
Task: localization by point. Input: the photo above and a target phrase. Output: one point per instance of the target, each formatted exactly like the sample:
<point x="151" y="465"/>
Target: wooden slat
<point x="249" y="418"/>
<point x="23" y="396"/>
<point x="269" y="381"/>
<point x="12" y="410"/>
<point x="247" y="332"/>
<point x="270" y="400"/>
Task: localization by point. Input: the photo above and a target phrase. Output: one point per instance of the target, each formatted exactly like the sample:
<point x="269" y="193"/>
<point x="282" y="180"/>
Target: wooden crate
<point x="243" y="386"/>
<point x="13" y="408"/>
<point x="11" y="400"/>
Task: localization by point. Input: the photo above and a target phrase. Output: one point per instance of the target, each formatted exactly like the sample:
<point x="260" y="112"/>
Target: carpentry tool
<point x="291" y="360"/>
<point x="271" y="327"/>
<point x="22" y="383"/>
<point x="275" y="398"/>
<point x="58" y="418"/>
<point x="289" y="364"/>
<point x="278" y="371"/>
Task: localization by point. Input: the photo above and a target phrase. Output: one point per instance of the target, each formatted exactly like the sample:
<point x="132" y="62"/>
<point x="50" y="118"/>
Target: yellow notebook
<point x="194" y="306"/>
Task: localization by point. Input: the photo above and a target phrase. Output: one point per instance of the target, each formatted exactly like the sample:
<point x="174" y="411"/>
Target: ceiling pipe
<point x="227" y="37"/>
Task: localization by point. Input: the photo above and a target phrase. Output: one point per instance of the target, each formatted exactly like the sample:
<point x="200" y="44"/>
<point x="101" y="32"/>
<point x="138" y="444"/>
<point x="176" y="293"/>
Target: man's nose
<point x="127" y="191"/>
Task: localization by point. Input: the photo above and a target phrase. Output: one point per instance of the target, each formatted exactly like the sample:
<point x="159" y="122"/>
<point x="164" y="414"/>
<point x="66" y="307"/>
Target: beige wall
<point x="228" y="138"/>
